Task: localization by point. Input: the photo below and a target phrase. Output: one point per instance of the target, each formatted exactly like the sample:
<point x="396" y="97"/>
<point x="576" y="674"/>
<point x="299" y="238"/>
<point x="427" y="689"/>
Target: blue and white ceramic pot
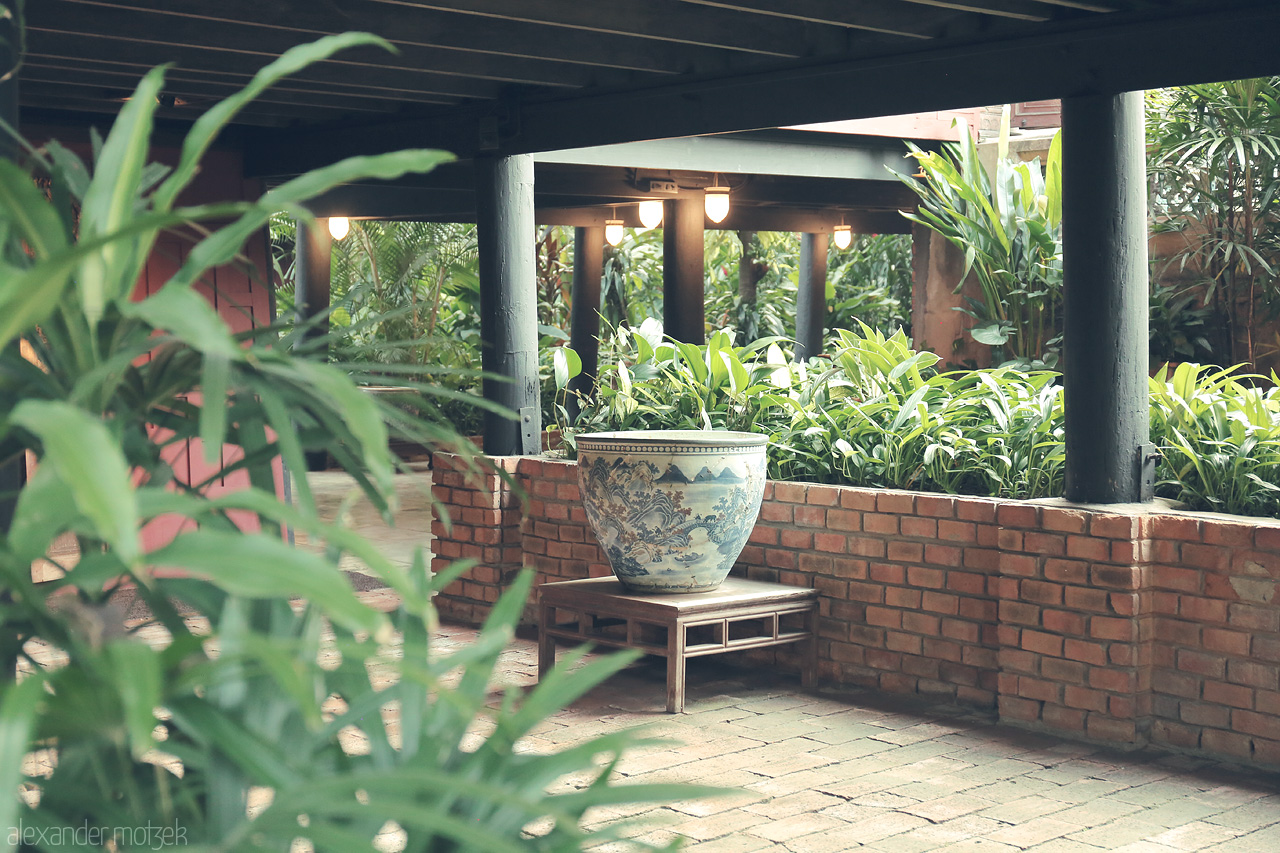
<point x="671" y="508"/>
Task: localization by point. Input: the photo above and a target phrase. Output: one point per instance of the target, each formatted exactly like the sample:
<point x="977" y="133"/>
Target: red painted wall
<point x="240" y="291"/>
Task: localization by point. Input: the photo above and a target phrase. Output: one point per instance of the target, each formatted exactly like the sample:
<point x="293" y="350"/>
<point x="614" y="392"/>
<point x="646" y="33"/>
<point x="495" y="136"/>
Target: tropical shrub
<point x="876" y="414"/>
<point x="870" y="282"/>
<point x="1010" y="231"/>
<point x="229" y="700"/>
<point x="1214" y="164"/>
<point x="1219" y="436"/>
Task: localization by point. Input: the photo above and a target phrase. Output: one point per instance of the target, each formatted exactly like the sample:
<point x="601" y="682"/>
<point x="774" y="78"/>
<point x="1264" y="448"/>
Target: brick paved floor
<point x="833" y="770"/>
<point x="830" y="770"/>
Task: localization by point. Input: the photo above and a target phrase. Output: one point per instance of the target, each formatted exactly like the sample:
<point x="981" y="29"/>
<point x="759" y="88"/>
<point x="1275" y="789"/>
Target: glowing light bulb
<point x="843" y="235"/>
<point x="651" y="213"/>
<point x="613" y="231"/>
<point x="716" y="203"/>
<point x="339" y="226"/>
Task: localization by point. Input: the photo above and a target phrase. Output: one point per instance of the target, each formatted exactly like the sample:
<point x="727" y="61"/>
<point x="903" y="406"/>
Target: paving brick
<point x="794" y="826"/>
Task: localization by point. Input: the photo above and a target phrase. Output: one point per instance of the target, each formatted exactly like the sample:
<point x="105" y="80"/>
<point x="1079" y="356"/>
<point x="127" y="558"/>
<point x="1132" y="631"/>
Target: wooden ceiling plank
<point x="231" y="79"/>
<point x="658" y="20"/>
<point x="44" y="40"/>
<point x="43" y="103"/>
<point x="876" y="17"/>
<point x="429" y="28"/>
<point x="1020" y="10"/>
<point x="1083" y="6"/>
<point x="153" y="16"/>
<point x="63" y="18"/>
<point x="205" y="90"/>
<point x="1080" y="55"/>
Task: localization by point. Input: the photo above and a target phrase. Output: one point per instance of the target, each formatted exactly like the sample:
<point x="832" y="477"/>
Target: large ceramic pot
<point x="671" y="508"/>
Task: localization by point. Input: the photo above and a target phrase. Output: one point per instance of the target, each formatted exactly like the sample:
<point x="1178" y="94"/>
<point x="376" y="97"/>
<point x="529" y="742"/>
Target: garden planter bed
<point x="1131" y="625"/>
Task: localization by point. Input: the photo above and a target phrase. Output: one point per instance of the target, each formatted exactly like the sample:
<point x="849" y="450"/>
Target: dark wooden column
<point x="508" y="303"/>
<point x="584" y="312"/>
<point x="811" y="296"/>
<point x="1105" y="298"/>
<point x="13" y="474"/>
<point x="683" y="300"/>
<point x="312" y="265"/>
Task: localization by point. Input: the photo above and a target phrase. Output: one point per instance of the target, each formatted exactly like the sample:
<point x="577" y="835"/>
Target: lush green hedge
<point x="876" y="414"/>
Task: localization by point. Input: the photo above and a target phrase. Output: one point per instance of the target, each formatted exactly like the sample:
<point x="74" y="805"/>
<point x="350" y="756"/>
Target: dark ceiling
<point x="538" y="75"/>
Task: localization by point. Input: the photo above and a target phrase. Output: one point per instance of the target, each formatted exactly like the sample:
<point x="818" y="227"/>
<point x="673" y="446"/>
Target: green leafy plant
<point x="870" y="282"/>
<point x="1009" y="230"/>
<point x="254" y="705"/>
<point x="1219" y="435"/>
<point x="1214" y="162"/>
<point x="1178" y="325"/>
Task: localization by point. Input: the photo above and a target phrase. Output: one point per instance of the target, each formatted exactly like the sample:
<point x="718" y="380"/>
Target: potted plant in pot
<point x="672" y="509"/>
<point x="222" y="730"/>
<point x="672" y="506"/>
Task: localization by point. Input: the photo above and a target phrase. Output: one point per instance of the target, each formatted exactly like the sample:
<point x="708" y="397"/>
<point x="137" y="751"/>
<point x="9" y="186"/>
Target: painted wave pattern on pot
<point x="672" y="519"/>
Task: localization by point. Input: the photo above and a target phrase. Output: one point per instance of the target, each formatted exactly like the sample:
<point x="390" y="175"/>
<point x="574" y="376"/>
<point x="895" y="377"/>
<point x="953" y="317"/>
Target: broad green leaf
<point x="213" y="405"/>
<point x="206" y="128"/>
<point x="190" y="318"/>
<point x="137" y="676"/>
<point x="223" y="245"/>
<point x="566" y="364"/>
<point x="257" y="566"/>
<point x="358" y="411"/>
<point x="18" y="710"/>
<point x="33" y="218"/>
<point x="112" y="197"/>
<point x="87" y="457"/>
<point x="45" y="508"/>
<point x="992" y="334"/>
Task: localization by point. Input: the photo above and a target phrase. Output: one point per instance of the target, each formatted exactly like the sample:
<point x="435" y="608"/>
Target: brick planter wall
<point x="1123" y="624"/>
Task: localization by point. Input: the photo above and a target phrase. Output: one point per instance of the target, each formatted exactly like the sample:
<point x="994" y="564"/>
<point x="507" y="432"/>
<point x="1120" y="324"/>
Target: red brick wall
<point x="1216" y="658"/>
<point x="1129" y="627"/>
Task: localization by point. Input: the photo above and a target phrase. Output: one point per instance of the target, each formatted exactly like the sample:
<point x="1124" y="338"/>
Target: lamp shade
<point x="843" y="236"/>
<point x="613" y="231"/>
<point x="716" y="203"/>
<point x="339" y="226"/>
<point x="651" y="213"/>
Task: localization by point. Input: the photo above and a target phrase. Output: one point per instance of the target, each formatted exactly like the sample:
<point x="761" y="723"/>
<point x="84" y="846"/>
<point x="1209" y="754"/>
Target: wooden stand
<point x="740" y="614"/>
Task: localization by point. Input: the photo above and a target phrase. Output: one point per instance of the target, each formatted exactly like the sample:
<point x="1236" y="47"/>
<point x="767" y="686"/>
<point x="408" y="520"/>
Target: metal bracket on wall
<point x="530" y="439"/>
<point x="1147" y="457"/>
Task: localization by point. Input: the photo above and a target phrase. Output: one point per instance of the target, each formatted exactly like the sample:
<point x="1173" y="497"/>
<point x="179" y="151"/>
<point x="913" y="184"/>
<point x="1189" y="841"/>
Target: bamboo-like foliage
<point x="1214" y="161"/>
<point x="229" y="698"/>
<point x="1009" y="230"/>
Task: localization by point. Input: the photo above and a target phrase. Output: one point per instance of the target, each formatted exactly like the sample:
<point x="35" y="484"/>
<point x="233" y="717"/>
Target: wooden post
<point x="12" y="475"/>
<point x="508" y="303"/>
<point x="811" y="296"/>
<point x="683" y="300"/>
<point x="750" y="271"/>
<point x="1105" y="302"/>
<point x="584" y="312"/>
<point x="312" y="267"/>
<point x="313" y="257"/>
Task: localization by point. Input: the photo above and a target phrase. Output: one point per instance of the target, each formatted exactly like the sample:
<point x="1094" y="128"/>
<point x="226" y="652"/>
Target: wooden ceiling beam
<point x="656" y="20"/>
